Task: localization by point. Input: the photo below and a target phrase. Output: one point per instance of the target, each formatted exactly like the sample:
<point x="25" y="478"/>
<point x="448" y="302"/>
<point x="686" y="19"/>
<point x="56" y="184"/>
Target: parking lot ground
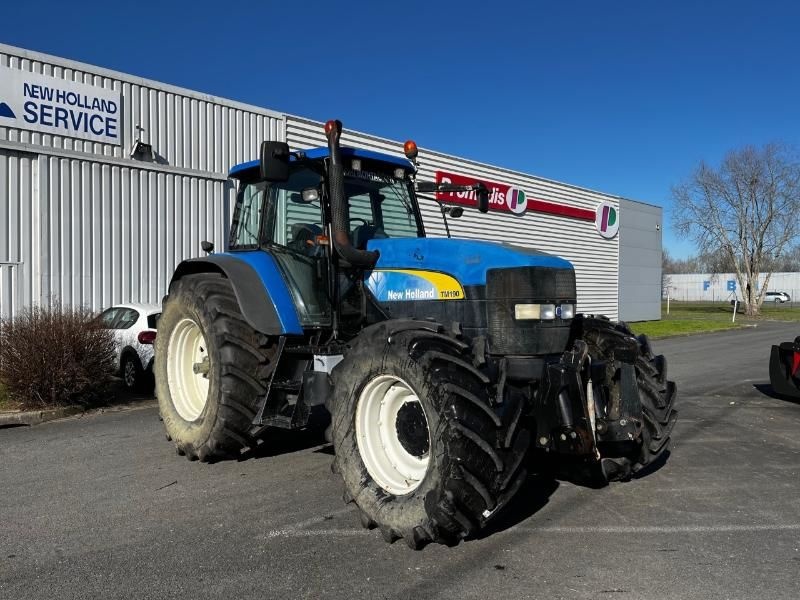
<point x="102" y="507"/>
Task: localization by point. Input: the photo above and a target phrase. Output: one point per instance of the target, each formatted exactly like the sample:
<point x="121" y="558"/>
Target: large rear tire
<point x="427" y="451"/>
<point x="210" y="368"/>
<point x="609" y="341"/>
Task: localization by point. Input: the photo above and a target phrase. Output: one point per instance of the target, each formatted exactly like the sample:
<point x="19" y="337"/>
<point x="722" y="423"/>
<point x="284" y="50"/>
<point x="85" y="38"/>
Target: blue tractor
<point x="445" y="364"/>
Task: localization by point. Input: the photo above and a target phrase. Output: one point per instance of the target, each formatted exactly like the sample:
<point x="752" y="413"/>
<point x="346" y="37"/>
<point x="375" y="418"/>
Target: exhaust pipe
<point x="340" y="211"/>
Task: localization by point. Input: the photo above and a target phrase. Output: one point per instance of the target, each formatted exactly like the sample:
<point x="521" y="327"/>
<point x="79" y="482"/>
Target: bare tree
<point x="744" y="213"/>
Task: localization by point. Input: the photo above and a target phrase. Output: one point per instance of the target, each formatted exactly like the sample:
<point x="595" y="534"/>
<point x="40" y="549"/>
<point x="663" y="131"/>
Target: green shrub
<point x="51" y="355"/>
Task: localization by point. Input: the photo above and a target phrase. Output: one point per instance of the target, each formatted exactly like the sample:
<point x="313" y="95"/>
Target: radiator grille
<point x="535" y="285"/>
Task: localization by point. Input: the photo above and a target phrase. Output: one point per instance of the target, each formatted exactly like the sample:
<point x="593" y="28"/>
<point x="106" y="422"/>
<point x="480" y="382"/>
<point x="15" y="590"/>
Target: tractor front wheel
<point x="606" y="340"/>
<point x="427" y="450"/>
<point x="210" y="368"/>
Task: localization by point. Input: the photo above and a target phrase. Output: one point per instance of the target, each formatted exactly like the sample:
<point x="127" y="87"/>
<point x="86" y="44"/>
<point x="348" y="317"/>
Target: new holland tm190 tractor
<point x="444" y="363"/>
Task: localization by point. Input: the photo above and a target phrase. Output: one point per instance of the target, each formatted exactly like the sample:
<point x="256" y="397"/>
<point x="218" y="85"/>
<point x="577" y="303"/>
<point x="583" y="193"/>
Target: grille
<point x="534" y="285"/>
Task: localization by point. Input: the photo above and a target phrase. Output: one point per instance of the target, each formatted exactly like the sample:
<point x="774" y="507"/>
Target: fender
<point x="262" y="293"/>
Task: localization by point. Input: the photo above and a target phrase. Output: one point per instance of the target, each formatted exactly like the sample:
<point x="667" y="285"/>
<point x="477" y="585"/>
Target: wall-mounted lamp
<point x="141" y="150"/>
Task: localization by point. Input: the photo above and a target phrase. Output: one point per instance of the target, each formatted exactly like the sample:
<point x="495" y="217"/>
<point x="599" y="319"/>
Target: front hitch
<point x="574" y="409"/>
<point x="560" y="409"/>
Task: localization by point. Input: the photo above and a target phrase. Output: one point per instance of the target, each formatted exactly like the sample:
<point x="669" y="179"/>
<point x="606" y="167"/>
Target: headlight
<point x="566" y="311"/>
<point x="544" y="312"/>
<point x="527" y="311"/>
<point x="548" y="312"/>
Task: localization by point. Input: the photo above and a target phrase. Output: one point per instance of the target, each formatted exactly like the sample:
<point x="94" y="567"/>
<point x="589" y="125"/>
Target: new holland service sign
<point x="49" y="105"/>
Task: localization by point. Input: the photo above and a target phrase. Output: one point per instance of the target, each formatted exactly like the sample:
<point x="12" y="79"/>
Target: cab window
<point x="247" y="215"/>
<point x="380" y="207"/>
<point x="293" y="222"/>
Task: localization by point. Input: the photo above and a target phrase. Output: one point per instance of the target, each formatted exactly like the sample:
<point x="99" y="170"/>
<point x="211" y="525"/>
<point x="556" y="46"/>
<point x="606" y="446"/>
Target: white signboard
<point x="50" y="105"/>
<point x="606" y="220"/>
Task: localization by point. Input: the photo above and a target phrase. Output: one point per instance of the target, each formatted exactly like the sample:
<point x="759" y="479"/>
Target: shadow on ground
<point x="766" y="390"/>
<point x="533" y="495"/>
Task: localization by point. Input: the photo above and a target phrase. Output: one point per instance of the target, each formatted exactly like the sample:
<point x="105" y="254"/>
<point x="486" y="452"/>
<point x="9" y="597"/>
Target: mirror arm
<point x="444" y="218"/>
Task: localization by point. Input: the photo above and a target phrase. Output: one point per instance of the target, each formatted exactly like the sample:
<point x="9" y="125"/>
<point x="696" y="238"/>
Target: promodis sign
<point x="505" y="198"/>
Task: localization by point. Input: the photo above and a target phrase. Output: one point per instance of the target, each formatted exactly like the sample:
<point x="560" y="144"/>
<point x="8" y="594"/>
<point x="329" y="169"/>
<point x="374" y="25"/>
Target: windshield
<point x="380" y="206"/>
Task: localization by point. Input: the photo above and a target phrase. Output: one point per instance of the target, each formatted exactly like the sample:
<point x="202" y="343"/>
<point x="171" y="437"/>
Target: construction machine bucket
<point x="784" y="369"/>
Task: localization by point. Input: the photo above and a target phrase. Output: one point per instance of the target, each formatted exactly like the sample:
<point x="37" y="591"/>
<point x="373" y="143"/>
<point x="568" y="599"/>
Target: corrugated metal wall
<point x="596" y="259"/>
<point x="112" y="233"/>
<point x="83" y="222"/>
<point x="19" y="232"/>
<point x="86" y="223"/>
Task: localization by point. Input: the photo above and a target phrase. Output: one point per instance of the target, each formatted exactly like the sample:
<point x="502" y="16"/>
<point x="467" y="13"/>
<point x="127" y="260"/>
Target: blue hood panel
<point x="466" y="260"/>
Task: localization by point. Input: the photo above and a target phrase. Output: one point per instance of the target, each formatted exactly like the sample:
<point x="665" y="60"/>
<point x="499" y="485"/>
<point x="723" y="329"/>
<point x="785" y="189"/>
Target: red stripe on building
<point x="561" y="210"/>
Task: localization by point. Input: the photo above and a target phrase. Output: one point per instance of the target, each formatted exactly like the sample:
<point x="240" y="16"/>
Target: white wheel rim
<point x="396" y="460"/>
<point x="130" y="373"/>
<point x="188" y="389"/>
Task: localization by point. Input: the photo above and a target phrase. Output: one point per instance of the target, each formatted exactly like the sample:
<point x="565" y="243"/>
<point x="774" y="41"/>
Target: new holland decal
<point x="401" y="285"/>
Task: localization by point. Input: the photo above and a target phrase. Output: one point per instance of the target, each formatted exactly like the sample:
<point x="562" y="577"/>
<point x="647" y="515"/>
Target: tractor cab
<point x="291" y="216"/>
<point x="297" y="211"/>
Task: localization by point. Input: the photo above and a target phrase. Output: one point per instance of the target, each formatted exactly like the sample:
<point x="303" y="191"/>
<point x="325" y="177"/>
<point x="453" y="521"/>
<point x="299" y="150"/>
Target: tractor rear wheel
<point x="427" y="451"/>
<point x="608" y="341"/>
<point x="210" y="368"/>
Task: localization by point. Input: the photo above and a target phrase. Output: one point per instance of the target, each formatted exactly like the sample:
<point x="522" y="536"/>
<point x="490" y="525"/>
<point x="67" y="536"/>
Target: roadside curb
<point x="36" y="417"/>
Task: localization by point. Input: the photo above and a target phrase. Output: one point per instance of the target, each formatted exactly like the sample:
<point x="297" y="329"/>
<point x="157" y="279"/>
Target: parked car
<point x="134" y="327"/>
<point x="777" y="297"/>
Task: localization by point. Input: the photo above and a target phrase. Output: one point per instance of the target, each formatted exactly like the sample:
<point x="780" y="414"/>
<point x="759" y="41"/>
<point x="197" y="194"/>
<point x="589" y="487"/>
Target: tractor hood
<point x="465" y="260"/>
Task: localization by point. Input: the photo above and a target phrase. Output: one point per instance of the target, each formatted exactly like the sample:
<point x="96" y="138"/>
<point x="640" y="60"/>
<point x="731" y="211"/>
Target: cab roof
<point x="240" y="171"/>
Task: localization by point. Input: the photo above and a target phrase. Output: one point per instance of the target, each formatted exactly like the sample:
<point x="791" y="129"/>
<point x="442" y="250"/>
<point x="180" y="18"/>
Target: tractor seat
<point x="364" y="233"/>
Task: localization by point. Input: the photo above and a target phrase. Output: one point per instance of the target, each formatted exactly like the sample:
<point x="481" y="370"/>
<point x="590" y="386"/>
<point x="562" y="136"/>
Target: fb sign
<point x="731" y="285"/>
<point x="706" y="285"/>
<point x="50" y="105"/>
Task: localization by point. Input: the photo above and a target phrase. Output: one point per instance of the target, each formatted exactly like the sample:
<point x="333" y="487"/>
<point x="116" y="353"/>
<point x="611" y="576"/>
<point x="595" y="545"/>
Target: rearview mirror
<point x="274" y="161"/>
<point x="453" y="212"/>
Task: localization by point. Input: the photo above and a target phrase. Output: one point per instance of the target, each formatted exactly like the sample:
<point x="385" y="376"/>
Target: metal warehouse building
<point x="108" y="180"/>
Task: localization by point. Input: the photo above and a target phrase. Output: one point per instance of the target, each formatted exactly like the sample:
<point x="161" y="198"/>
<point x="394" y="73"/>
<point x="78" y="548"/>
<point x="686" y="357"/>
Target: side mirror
<point x="207" y="247"/>
<point x="483" y="198"/>
<point x="454" y="212"/>
<point x="274" y="161"/>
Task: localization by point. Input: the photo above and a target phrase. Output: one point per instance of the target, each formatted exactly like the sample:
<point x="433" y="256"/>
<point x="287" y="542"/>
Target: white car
<point x="134" y="328"/>
<point x="777" y="297"/>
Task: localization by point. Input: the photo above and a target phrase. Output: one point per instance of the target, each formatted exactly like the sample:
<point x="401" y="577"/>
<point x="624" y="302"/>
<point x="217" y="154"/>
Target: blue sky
<point x="620" y="96"/>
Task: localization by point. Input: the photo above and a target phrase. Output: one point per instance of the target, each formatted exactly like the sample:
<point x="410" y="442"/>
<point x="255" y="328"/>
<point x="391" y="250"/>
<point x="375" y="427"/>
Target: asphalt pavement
<point x="101" y="507"/>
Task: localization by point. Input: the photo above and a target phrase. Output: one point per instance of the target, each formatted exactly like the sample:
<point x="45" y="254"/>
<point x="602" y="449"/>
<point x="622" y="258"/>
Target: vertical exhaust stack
<point x="340" y="212"/>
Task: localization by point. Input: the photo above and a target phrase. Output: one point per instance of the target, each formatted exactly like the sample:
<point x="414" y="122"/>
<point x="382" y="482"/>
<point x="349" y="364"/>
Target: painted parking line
<point x="297" y="529"/>
<point x="569" y="530"/>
